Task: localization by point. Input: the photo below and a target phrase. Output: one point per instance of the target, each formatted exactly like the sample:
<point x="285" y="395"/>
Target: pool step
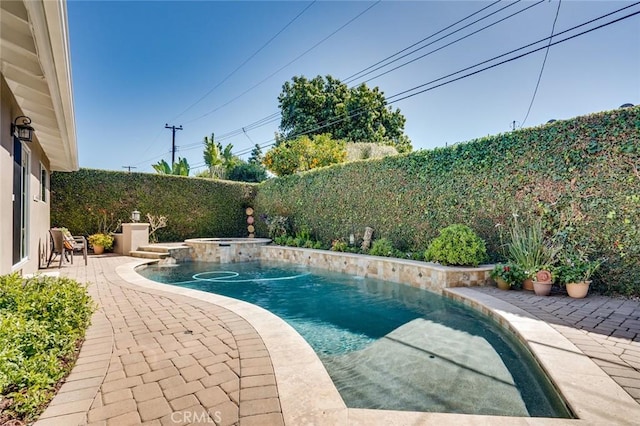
<point x="148" y="254"/>
<point x="156" y="248"/>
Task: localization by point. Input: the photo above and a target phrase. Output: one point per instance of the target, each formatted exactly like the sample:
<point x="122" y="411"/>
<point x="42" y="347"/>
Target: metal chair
<point x="79" y="244"/>
<point x="63" y="243"/>
<point x="58" y="247"/>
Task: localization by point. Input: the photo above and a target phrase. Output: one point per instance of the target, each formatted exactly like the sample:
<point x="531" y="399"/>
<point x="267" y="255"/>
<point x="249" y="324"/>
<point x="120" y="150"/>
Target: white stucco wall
<point x="39" y="211"/>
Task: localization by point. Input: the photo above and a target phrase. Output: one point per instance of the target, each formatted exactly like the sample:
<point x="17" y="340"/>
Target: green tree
<point x="219" y="160"/>
<point x="326" y="105"/>
<point x="256" y="155"/>
<point x="229" y="161"/>
<point x="181" y="167"/>
<point x="304" y="153"/>
<point x="248" y="172"/>
<point x="212" y="158"/>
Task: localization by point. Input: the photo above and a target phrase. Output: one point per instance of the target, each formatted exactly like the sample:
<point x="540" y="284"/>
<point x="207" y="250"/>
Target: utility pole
<point x="173" y="141"/>
<point x="129" y="168"/>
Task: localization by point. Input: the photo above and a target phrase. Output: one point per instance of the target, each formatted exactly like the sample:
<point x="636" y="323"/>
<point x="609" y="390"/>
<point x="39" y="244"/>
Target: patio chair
<point x="58" y="247"/>
<point x="64" y="245"/>
<point x="78" y="244"/>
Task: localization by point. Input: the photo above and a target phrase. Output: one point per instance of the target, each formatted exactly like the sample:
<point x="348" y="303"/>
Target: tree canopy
<point x="223" y="164"/>
<point x="304" y="153"/>
<point x="326" y="105"/>
<point x="181" y="167"/>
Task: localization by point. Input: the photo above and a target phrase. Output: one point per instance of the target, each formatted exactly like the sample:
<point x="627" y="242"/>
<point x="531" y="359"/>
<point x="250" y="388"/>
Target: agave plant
<point x="528" y="247"/>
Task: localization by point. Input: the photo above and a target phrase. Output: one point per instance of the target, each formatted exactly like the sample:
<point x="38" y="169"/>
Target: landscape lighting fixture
<point x="135" y="216"/>
<point x="22" y="131"/>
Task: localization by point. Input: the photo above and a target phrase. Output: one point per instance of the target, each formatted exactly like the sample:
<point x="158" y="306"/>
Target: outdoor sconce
<point x="135" y="216"/>
<point x="23" y="131"/>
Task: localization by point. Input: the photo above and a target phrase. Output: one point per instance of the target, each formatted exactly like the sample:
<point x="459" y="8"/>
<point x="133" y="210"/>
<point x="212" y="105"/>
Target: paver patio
<point x="157" y="358"/>
<point x="151" y="359"/>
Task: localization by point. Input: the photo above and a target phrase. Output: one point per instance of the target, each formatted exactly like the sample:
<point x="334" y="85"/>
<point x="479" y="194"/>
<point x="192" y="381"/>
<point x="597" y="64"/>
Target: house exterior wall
<point x="38" y="209"/>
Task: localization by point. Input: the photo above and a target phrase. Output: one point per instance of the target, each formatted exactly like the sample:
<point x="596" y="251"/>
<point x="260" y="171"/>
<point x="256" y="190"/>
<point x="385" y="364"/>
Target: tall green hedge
<point x="581" y="175"/>
<point x="195" y="207"/>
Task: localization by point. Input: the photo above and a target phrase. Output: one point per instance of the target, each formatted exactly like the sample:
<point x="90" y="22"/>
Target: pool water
<point x="387" y="345"/>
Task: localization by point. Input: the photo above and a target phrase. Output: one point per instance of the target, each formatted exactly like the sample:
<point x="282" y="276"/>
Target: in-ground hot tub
<point x="226" y="250"/>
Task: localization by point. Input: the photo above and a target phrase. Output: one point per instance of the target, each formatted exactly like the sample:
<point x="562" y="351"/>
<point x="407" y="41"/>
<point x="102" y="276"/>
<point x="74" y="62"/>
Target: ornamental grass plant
<point x="528" y="247"/>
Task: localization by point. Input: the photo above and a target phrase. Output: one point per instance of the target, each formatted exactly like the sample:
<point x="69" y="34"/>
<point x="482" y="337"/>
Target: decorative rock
<point x="366" y="241"/>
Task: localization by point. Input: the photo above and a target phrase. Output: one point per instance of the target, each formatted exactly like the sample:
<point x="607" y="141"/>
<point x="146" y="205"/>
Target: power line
<point x="245" y="133"/>
<point x="287" y="64"/>
<point x="275" y="116"/>
<point x="153" y="158"/>
<point x="246" y="61"/>
<point x="262" y="122"/>
<point x="524" y="47"/>
<point x="546" y="54"/>
<point x="410" y="95"/>
<point x="446" y="45"/>
<point x="353" y="76"/>
<point x="514" y="58"/>
<point x="152" y="142"/>
<point x="397" y="95"/>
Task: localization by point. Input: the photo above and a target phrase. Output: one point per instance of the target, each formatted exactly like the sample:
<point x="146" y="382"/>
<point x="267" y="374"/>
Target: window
<point x="44" y="181"/>
<point x="21" y="173"/>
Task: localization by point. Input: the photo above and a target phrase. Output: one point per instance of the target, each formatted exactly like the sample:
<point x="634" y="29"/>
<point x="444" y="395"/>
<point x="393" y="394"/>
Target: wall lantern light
<point x="135" y="216"/>
<point x="22" y="131"/>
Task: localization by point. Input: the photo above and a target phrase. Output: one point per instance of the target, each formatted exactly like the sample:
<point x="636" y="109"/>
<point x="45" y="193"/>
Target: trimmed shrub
<point x="581" y="176"/>
<point x="457" y="245"/>
<point x="42" y="321"/>
<point x="382" y="247"/>
<point x="194" y="207"/>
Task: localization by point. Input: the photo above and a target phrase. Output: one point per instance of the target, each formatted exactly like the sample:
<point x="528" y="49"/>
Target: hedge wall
<point x="195" y="207"/>
<point x="581" y="175"/>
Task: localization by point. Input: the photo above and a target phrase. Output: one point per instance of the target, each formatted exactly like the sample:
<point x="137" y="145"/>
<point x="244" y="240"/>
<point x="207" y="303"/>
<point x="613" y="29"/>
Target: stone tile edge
<point x="289" y="352"/>
<point x="297" y="410"/>
<point x="99" y="321"/>
<point x="591" y="394"/>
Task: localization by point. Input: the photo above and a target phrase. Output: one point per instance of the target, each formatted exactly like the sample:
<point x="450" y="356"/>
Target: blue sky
<point x="138" y="65"/>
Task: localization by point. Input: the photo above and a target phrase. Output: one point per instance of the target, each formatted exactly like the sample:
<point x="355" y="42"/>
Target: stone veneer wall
<point x="181" y="254"/>
<point x="424" y="275"/>
<point x="229" y="251"/>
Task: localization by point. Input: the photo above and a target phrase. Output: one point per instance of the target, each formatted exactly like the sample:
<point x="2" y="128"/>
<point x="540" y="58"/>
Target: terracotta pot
<point x="528" y="284"/>
<point x="542" y="288"/>
<point x="98" y="249"/>
<point x="543" y="276"/>
<point x="502" y="284"/>
<point x="578" y="290"/>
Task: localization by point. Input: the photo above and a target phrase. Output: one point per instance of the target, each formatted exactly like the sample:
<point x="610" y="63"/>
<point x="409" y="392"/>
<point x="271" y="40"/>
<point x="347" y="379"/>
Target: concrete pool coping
<point x="591" y="394"/>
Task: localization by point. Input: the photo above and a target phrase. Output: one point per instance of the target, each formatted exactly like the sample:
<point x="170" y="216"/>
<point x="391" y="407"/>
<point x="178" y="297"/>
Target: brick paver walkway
<point x="162" y="359"/>
<point x="605" y="329"/>
<point x="174" y="361"/>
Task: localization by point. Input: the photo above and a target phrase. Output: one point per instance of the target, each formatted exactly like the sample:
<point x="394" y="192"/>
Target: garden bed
<point x="42" y="323"/>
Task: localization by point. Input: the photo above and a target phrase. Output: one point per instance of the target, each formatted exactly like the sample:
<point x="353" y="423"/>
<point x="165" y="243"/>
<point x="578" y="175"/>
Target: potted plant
<point x="528" y="247"/>
<point x="508" y="275"/>
<point x="101" y="242"/>
<point x="542" y="283"/>
<point x="575" y="271"/>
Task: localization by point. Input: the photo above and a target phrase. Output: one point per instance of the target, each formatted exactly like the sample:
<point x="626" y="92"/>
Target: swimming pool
<point x="386" y="345"/>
